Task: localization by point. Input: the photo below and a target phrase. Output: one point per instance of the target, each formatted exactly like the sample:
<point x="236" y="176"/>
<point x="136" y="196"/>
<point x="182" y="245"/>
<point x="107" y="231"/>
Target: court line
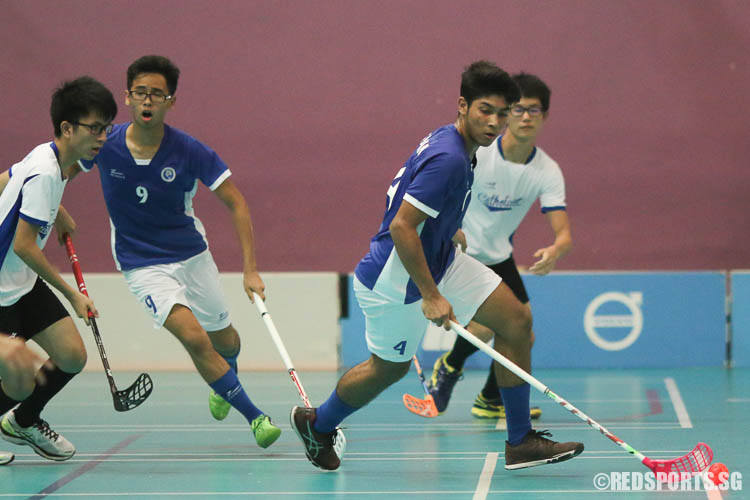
<point x="84" y="468"/>
<point x="485" y="478"/>
<point x="679" y="405"/>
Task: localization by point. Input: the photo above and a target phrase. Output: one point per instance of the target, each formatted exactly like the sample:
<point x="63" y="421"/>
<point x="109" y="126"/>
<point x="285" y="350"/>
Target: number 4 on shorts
<point x="400" y="347"/>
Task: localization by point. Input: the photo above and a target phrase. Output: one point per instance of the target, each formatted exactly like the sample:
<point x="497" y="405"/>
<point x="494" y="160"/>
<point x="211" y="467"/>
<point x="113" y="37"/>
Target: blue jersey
<point x="150" y="202"/>
<point x="436" y="179"/>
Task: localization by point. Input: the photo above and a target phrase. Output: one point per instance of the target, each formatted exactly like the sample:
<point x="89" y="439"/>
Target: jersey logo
<point x="113" y="172"/>
<point x="168" y="174"/>
<point x="496" y="204"/>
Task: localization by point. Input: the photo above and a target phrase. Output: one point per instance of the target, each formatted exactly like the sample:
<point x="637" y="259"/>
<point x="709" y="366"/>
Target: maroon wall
<point x="315" y="106"/>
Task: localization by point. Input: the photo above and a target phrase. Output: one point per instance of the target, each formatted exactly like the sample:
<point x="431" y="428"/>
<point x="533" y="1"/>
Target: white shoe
<point x="6" y="457"/>
<point x="39" y="436"/>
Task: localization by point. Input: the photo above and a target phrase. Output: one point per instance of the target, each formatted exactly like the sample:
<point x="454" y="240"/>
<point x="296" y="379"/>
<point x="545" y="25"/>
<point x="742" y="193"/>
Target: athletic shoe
<point x="39" y="436"/>
<point x="264" y="431"/>
<point x="218" y="406"/>
<point x="536" y="449"/>
<point x="319" y="446"/>
<point x="443" y="380"/>
<point x="6" y="457"/>
<point x="493" y="408"/>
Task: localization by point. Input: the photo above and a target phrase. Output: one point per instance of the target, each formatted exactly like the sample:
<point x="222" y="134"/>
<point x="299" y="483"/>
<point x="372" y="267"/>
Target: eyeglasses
<point x="533" y="111"/>
<point x="96" y="128"/>
<point x="141" y="95"/>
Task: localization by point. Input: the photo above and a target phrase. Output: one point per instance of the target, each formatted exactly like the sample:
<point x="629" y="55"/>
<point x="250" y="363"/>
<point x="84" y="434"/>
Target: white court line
<point x="679" y="405"/>
<point x="502" y="424"/>
<point x="485" y="478"/>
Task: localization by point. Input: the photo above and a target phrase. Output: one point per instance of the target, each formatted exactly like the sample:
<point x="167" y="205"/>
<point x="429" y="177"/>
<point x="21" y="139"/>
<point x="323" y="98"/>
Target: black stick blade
<point x="133" y="396"/>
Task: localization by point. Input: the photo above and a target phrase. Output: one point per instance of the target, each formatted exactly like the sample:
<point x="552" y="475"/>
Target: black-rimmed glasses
<point x="95" y="128"/>
<point x="142" y="95"/>
<point x="533" y="111"/>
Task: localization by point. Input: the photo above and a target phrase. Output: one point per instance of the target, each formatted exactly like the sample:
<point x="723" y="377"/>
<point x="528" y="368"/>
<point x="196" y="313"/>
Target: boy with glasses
<point x="81" y="112"/>
<point x="149" y="173"/>
<point x="414" y="274"/>
<point x="512" y="174"/>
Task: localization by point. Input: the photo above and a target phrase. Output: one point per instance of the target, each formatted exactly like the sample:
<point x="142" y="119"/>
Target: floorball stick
<point x="694" y="462"/>
<point x="422" y="407"/>
<point x="340" y="442"/>
<point x="133" y="396"/>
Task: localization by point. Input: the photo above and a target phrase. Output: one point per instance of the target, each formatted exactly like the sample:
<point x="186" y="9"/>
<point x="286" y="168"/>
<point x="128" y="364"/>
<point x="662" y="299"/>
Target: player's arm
<point x="26" y="248"/>
<point x="4" y="178"/>
<point x="548" y="256"/>
<point x="231" y="196"/>
<point x="403" y="229"/>
<point x="64" y="223"/>
<point x="459" y="239"/>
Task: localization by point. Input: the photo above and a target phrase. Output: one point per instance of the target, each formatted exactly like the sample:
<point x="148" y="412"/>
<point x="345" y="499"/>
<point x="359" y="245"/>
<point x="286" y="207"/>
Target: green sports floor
<point x="170" y="447"/>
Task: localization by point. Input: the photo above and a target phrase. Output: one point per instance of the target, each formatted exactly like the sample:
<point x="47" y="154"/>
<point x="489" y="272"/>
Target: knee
<point x="226" y="342"/>
<point x="18" y="388"/>
<point x="390" y="372"/>
<point x="72" y="360"/>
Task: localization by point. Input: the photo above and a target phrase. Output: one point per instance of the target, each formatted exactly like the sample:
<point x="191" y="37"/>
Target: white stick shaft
<point x="522" y="374"/>
<point x="280" y="346"/>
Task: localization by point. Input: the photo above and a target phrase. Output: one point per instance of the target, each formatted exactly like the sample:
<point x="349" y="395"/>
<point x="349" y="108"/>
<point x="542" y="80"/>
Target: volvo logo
<point x="593" y="323"/>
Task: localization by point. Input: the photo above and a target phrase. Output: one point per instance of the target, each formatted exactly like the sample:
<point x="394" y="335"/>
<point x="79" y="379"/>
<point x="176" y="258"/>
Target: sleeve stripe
<point x="32" y="220"/>
<point x="552" y="209"/>
<point x="421" y="206"/>
<point x="220" y="179"/>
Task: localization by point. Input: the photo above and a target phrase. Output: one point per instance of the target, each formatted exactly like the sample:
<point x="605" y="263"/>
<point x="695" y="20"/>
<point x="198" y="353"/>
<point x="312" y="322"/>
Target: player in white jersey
<point x="149" y="174"/>
<point x="413" y="274"/>
<point x="81" y="111"/>
<point x="512" y="174"/>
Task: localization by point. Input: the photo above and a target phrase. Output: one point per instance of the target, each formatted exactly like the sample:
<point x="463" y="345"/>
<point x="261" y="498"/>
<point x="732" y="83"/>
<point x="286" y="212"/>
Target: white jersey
<point x="33" y="194"/>
<point x="503" y="192"/>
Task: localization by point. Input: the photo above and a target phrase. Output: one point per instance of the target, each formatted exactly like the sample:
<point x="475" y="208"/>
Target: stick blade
<point x="133" y="396"/>
<point x="694" y="462"/>
<point x="422" y="407"/>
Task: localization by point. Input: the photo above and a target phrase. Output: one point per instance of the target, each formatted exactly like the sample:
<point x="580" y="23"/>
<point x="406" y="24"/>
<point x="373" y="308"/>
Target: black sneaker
<point x="319" y="447"/>
<point x="444" y="378"/>
<point x="536" y="449"/>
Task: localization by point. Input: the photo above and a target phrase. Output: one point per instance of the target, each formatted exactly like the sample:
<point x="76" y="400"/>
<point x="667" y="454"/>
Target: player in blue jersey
<point x="149" y="174"/>
<point x="414" y="273"/>
<point x="512" y="174"/>
<point x="81" y="111"/>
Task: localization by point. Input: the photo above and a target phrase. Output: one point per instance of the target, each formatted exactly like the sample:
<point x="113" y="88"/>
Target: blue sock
<point x="331" y="413"/>
<point x="232" y="361"/>
<point x="229" y="388"/>
<point x="517" y="417"/>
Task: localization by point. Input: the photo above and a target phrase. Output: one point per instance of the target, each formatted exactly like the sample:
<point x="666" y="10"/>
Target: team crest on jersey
<point x="168" y="174"/>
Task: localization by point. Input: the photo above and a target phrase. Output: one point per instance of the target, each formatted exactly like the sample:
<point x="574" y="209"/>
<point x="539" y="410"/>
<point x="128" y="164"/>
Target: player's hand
<point x="64" y="223"/>
<point x="254" y="283"/>
<point x="547" y="259"/>
<point x="460" y="240"/>
<point x="82" y="305"/>
<point x="439" y="311"/>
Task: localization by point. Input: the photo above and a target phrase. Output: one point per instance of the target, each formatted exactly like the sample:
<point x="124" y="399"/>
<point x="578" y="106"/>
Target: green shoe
<point x="219" y="408"/>
<point x="265" y="432"/>
<point x="489" y="408"/>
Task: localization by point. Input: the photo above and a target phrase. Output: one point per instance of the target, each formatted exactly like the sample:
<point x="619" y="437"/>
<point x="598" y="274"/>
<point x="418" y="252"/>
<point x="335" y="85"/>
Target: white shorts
<point x="193" y="283"/>
<point x="394" y="330"/>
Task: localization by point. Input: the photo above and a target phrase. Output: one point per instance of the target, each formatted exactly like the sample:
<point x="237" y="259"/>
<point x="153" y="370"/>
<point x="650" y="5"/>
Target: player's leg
<point x="393" y="331"/>
<point x="206" y="299"/>
<point x="511" y="320"/>
<point x="227" y="343"/>
<point x="489" y="402"/>
<point x="217" y="373"/>
<point x="47" y="322"/>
